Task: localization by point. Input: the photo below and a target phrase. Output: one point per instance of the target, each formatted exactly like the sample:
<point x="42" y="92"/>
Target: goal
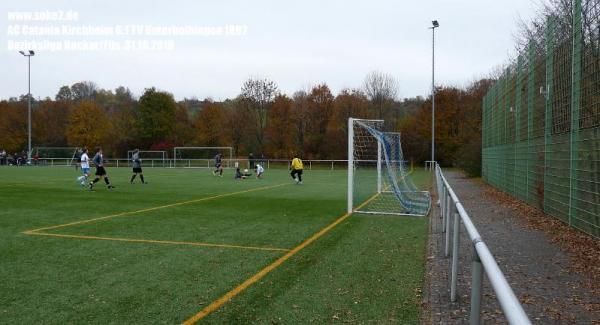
<point x="57" y="155"/>
<point x="378" y="179"/>
<point x="152" y="158"/>
<point x="201" y="157"/>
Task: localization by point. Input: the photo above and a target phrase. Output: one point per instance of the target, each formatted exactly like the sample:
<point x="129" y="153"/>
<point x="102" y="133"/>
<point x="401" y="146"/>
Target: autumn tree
<point x="64" y="94"/>
<point x="382" y="89"/>
<point x="457" y="131"/>
<point x="84" y="90"/>
<point x="88" y="125"/>
<point x="236" y="130"/>
<point x="13" y="126"/>
<point x="280" y="130"/>
<point x="349" y="103"/>
<point x="156" y="116"/>
<point x="208" y="125"/>
<point x="300" y="119"/>
<point x="49" y="121"/>
<point x="257" y="95"/>
<point x="320" y="107"/>
<point x="123" y="115"/>
<point x="471" y="126"/>
<point x="184" y="130"/>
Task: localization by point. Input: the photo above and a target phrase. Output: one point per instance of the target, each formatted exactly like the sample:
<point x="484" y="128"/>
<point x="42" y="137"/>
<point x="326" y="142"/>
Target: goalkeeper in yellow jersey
<point x="297" y="168"/>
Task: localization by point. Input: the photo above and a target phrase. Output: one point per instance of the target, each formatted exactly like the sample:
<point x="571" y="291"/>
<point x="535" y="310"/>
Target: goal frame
<point x="72" y="158"/>
<point x="229" y="160"/>
<point x="379" y="166"/>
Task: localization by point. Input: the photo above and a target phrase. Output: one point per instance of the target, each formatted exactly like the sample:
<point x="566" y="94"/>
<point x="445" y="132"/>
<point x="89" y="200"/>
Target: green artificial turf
<point x="367" y="269"/>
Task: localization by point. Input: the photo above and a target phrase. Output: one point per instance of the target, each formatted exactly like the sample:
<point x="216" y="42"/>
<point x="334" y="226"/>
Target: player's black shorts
<point x="137" y="170"/>
<point x="100" y="171"/>
<point x="218" y="165"/>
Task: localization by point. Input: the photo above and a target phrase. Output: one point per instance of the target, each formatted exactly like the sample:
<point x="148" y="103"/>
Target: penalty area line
<point x="29" y="232"/>
<point x="262" y="273"/>
<point x="152" y="241"/>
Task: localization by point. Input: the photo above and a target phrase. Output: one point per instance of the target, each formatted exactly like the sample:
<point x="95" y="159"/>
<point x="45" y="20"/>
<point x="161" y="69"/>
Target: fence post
<point x="575" y="107"/>
<point x="517" y="112"/>
<point x="548" y="106"/>
<point x="476" y="288"/>
<point x="503" y="109"/>
<point x="530" y="99"/>
<point x="455" y="248"/>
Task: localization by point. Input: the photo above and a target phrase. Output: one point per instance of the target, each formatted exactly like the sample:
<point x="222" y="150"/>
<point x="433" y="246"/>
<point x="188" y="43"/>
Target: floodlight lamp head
<point x="435" y="24"/>
<point x="23" y="53"/>
<point x="31" y="52"/>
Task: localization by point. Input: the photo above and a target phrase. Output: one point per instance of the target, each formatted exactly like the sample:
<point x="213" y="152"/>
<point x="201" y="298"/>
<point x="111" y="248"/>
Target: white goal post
<point x="201" y="157"/>
<point x="152" y="156"/>
<point x="378" y="178"/>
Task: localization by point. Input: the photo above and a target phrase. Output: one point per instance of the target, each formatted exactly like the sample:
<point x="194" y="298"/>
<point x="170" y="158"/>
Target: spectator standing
<point x="251" y="161"/>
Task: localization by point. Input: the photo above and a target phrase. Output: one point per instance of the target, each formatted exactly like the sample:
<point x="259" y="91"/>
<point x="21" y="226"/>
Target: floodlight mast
<point x="435" y="25"/>
<point x="29" y="55"/>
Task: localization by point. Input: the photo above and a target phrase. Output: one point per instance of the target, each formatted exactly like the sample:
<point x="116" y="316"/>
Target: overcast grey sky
<point x="296" y="44"/>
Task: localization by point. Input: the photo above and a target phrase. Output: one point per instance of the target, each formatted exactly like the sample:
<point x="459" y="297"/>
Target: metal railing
<point x="453" y="213"/>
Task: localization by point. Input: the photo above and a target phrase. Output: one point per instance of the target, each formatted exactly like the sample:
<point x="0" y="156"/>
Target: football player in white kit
<point x="85" y="168"/>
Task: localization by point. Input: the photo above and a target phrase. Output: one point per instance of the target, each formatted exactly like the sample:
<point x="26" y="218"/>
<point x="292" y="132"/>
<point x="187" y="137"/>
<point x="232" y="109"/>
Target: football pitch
<point x="190" y="246"/>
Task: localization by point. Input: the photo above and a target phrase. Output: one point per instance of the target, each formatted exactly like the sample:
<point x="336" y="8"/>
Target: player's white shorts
<point x="85" y="170"/>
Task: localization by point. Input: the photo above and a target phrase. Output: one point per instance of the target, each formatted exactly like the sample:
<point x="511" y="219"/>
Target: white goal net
<point x="378" y="179"/>
<point x="202" y="157"/>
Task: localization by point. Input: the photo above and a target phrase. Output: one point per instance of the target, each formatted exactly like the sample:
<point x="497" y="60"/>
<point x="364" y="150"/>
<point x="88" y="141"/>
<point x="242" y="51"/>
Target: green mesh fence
<point x="541" y="120"/>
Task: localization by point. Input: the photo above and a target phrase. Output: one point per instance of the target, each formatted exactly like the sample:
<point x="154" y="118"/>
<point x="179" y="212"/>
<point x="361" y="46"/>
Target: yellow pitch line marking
<point x="166" y="242"/>
<point x="152" y="209"/>
<point x="262" y="273"/>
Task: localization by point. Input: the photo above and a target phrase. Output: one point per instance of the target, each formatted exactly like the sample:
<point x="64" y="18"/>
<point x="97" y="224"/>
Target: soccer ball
<point x="245" y="170"/>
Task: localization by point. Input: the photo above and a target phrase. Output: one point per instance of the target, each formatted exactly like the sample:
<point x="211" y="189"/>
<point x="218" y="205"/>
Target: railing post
<point x="476" y="288"/>
<point x="455" y="243"/>
<point x="443" y="206"/>
<point x="448" y="214"/>
<point x="442" y="200"/>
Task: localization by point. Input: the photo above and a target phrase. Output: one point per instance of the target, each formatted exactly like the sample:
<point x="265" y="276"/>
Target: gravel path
<point x="538" y="270"/>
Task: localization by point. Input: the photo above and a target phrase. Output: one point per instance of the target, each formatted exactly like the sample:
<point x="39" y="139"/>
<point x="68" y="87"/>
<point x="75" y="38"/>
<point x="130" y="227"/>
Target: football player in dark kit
<point x="136" y="163"/>
<point x="98" y="160"/>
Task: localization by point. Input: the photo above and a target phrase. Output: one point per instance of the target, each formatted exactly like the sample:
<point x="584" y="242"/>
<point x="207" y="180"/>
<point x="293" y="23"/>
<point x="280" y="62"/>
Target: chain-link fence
<point x="541" y="120"/>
